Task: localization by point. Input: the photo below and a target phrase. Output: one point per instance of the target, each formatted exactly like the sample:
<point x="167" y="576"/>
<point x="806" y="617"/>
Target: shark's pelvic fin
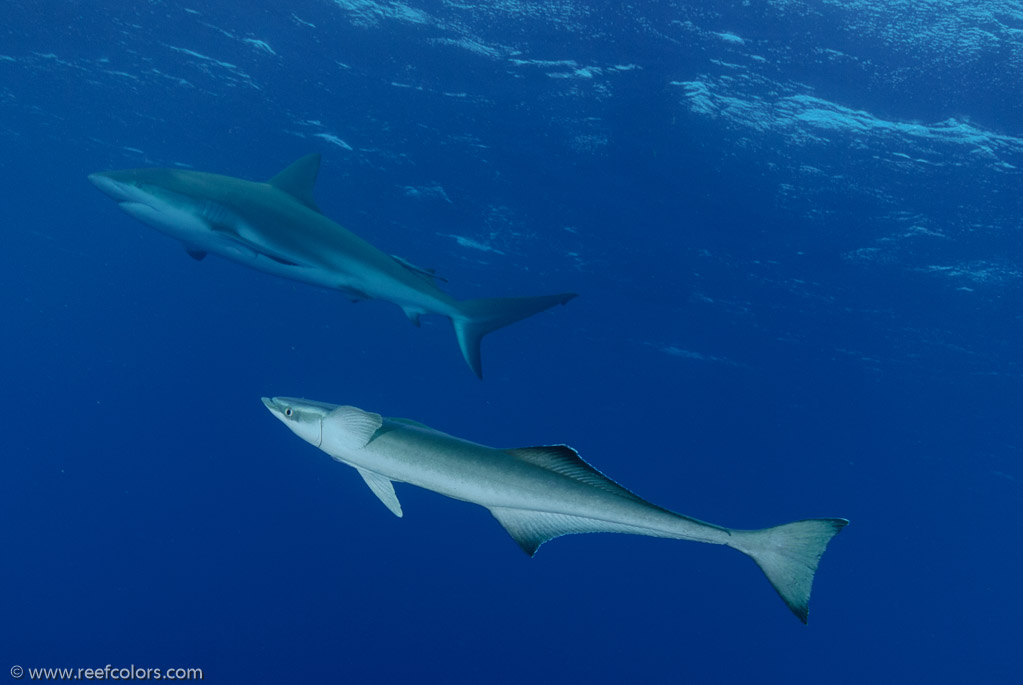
<point x="479" y="317"/>
<point x="413" y="314"/>
<point x="382" y="488"/>
<point x="197" y="255"/>
<point x="298" y="180"/>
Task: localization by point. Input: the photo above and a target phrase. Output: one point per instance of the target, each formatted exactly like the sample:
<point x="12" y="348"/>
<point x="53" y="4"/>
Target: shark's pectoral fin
<point x="382" y="488"/>
<point x="533" y="528"/>
<point x="197" y="255"/>
<point x="349" y="428"/>
<point x="298" y="180"/>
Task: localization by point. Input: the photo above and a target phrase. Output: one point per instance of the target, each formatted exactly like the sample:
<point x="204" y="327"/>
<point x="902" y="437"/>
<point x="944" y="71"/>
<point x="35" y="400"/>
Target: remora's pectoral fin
<point x="349" y="428"/>
<point x="197" y="255"/>
<point x="533" y="528"/>
<point x="382" y="488"/>
<point x="298" y="180"/>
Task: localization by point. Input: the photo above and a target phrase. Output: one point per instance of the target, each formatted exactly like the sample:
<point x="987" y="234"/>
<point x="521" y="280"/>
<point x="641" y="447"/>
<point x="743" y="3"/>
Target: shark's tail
<point x="788" y="556"/>
<point x="476" y="318"/>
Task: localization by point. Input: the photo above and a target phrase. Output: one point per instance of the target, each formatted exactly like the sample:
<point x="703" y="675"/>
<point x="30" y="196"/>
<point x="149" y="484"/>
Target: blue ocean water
<point x="793" y="226"/>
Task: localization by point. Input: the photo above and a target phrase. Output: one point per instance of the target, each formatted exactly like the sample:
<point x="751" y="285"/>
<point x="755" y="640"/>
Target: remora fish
<point x="539" y="493"/>
<point x="277" y="228"/>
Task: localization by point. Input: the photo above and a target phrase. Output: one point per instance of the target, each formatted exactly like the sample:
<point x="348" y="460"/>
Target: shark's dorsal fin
<point x="349" y="428"/>
<point x="299" y="178"/>
<point x="429" y="274"/>
<point x="566" y="461"/>
<point x="382" y="488"/>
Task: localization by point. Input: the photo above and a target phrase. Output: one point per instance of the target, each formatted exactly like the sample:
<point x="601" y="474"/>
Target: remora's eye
<point x="288" y="412"/>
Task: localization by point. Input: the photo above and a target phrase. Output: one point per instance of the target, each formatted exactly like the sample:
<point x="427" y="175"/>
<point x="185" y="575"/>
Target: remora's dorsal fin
<point x="298" y="180"/>
<point x="349" y="428"/>
<point x="382" y="488"/>
<point x="566" y="461"/>
<point x="411" y="422"/>
<point x="429" y="274"/>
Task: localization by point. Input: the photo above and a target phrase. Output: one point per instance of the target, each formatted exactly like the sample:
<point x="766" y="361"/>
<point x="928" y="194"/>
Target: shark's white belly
<point x="244" y="244"/>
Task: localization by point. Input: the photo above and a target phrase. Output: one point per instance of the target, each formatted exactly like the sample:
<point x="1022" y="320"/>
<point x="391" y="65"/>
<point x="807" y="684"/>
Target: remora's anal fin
<point x="349" y="428"/>
<point x="566" y="461"/>
<point x="382" y="488"/>
<point x="298" y="180"/>
<point x="197" y="255"/>
<point x="533" y="528"/>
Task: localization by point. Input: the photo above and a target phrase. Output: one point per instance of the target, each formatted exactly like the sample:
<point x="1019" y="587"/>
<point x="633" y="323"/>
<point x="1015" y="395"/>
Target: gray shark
<point x="277" y="228"/>
<point x="539" y="493"/>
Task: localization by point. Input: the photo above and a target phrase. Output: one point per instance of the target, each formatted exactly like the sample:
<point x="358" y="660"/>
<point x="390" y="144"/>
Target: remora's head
<point x="338" y="430"/>
<point x="303" y="417"/>
<point x="159" y="198"/>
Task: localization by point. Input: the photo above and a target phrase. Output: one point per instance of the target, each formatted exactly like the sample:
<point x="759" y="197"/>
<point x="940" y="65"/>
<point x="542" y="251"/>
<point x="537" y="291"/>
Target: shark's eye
<point x="288" y="412"/>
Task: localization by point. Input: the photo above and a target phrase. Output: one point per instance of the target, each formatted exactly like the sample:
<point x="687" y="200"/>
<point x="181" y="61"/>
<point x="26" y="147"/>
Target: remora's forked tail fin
<point x="788" y="556"/>
<point x="479" y="317"/>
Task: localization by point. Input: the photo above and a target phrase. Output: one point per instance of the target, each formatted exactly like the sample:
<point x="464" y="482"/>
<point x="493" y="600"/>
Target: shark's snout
<point x="99" y="180"/>
<point x="115" y="189"/>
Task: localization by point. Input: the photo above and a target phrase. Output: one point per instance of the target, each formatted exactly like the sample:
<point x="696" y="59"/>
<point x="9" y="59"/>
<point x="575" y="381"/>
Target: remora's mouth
<point x="277" y="408"/>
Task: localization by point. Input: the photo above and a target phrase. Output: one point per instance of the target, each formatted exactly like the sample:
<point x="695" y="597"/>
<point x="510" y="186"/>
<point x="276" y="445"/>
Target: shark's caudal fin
<point x="788" y="556"/>
<point x="479" y="317"/>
